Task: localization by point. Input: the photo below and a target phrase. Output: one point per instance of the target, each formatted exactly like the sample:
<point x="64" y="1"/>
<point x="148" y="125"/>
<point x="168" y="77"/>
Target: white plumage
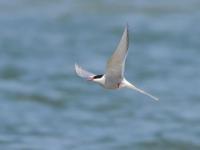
<point x="114" y="75"/>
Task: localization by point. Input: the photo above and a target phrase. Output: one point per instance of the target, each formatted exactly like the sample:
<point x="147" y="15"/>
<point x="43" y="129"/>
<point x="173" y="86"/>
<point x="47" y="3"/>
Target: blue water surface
<point x="45" y="106"/>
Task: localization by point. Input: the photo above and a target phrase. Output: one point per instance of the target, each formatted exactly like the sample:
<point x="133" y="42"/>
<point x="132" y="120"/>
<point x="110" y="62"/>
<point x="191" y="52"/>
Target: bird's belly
<point x="114" y="86"/>
<point x="111" y="84"/>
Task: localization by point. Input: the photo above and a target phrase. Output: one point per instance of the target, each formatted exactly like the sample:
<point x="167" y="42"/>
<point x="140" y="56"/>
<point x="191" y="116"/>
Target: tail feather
<point x="145" y="93"/>
<point x="129" y="85"/>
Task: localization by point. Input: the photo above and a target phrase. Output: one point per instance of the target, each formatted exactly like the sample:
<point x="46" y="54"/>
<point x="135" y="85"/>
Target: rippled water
<point x="45" y="106"/>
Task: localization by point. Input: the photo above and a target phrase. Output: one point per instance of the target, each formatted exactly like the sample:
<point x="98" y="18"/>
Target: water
<point x="45" y="106"/>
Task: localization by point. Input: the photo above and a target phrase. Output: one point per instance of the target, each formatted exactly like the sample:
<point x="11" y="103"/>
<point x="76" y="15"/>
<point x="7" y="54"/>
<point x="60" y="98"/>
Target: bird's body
<point x="114" y="75"/>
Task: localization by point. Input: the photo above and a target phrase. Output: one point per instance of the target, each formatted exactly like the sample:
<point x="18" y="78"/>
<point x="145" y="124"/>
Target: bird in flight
<point x="114" y="74"/>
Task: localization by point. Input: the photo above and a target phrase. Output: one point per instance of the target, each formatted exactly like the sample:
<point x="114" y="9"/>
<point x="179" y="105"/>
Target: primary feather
<point x="116" y="63"/>
<point x="83" y="73"/>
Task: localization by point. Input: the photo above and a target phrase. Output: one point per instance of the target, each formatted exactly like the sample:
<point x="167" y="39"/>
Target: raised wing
<point x="115" y="65"/>
<point x="83" y="73"/>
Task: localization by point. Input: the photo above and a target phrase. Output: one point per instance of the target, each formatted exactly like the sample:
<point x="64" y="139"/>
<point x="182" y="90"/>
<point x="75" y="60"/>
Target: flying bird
<point x="114" y="74"/>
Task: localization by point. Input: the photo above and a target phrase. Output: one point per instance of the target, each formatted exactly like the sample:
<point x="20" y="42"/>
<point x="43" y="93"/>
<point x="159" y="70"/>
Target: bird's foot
<point x="118" y="85"/>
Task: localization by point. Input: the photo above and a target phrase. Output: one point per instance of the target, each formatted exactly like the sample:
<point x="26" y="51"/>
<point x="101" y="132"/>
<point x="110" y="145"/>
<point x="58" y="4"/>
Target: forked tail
<point x="131" y="86"/>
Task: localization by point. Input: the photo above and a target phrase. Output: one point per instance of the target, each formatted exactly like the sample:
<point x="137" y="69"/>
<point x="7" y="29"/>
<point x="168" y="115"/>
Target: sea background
<point x="45" y="106"/>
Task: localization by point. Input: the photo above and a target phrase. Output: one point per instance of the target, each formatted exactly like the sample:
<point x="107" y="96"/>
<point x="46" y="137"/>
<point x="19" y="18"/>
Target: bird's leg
<point x="118" y="85"/>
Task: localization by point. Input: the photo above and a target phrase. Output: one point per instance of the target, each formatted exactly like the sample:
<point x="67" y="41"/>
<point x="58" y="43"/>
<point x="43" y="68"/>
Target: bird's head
<point x="98" y="79"/>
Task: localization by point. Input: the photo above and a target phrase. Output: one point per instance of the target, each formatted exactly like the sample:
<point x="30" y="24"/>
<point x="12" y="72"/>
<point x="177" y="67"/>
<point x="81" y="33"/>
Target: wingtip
<point x="76" y="66"/>
<point x="126" y="27"/>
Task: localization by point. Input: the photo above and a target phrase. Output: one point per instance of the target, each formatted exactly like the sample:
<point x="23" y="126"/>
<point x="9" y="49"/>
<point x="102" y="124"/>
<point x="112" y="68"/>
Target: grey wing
<point x="83" y="73"/>
<point x="115" y="65"/>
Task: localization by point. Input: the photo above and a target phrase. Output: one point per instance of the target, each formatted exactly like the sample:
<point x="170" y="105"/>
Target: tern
<point x="114" y="74"/>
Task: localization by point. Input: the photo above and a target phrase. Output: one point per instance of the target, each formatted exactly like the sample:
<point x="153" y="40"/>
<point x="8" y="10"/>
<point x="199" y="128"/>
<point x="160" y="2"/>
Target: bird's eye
<point x="97" y="76"/>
